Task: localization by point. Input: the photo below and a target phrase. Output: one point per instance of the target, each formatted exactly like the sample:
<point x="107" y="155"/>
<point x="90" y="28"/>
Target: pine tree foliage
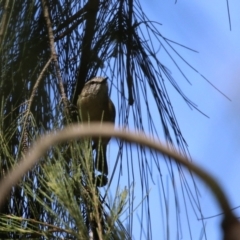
<point x="49" y="49"/>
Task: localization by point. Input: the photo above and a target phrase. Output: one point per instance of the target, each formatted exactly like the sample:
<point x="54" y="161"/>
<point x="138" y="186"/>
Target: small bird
<point x="94" y="105"/>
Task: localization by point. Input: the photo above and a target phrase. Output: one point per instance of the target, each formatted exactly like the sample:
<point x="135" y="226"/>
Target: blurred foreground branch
<point x="230" y="225"/>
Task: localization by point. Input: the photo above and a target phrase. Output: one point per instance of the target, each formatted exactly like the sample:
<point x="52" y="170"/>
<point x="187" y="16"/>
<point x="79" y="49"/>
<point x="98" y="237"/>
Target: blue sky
<point x="213" y="142"/>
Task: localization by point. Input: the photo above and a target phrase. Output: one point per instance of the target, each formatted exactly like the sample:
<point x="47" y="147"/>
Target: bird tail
<point x="101" y="159"/>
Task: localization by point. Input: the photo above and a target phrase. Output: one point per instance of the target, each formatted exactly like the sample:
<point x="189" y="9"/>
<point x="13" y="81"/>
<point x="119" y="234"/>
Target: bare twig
<point x="229" y="16"/>
<point x="32" y="96"/>
<point x="54" y="54"/>
<point x="37" y="84"/>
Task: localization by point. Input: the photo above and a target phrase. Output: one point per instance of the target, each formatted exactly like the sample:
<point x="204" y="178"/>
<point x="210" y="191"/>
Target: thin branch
<point x="86" y="54"/>
<point x="4" y="21"/>
<point x="130" y="29"/>
<point x="37" y="84"/>
<point x="31" y="99"/>
<point x="68" y="30"/>
<point x="229" y="17"/>
<point x="54" y="54"/>
<point x="71" y="19"/>
<point x="53" y="227"/>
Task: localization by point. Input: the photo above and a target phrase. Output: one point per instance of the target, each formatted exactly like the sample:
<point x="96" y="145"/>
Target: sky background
<point x="213" y="142"/>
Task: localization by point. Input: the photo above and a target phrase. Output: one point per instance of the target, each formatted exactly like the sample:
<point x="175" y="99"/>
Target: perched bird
<point x="94" y="105"/>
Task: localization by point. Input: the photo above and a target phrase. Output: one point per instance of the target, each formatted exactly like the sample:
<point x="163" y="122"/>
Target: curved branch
<point x="77" y="131"/>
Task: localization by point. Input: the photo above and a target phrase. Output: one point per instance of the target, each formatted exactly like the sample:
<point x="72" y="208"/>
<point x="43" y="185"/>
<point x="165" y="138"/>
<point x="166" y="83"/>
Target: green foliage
<point x="59" y="197"/>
